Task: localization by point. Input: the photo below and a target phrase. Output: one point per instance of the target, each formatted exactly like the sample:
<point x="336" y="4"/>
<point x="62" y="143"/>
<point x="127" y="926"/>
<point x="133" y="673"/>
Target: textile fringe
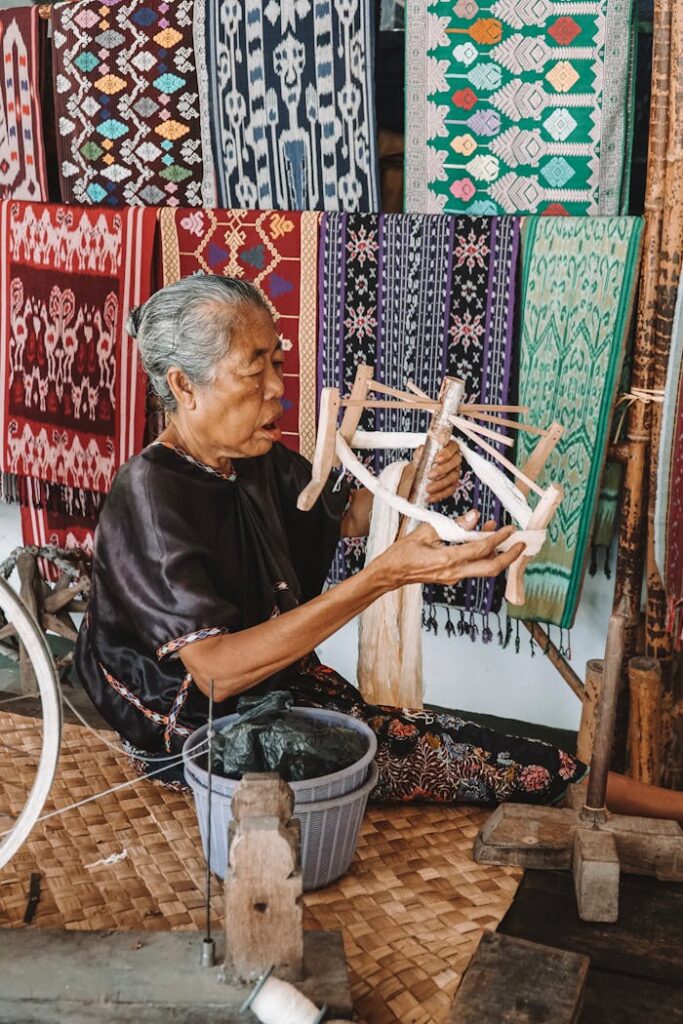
<point x="488" y="628"/>
<point x="604" y="550"/>
<point x="70" y="501"/>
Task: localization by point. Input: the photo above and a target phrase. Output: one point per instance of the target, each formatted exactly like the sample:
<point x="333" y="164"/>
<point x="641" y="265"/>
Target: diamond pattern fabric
<point x="127" y="104"/>
<point x="518" y="106"/>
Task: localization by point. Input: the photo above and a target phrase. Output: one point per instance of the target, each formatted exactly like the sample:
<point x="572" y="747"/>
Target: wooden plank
<point x="75" y="977"/>
<point x="647" y="939"/>
<point x="512" y="981"/>
<point x="622" y="999"/>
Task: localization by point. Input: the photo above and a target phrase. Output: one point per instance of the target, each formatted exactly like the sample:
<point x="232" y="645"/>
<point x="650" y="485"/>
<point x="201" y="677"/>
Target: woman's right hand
<point x="421" y="557"/>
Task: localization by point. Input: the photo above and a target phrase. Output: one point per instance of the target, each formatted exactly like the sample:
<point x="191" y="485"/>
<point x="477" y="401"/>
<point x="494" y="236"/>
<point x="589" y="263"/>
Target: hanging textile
<point x="291" y="103"/>
<point x="40" y="527"/>
<point x="278" y="252"/>
<point x="127" y="85"/>
<point x="72" y="402"/>
<point x="518" y="107"/>
<point x="23" y="41"/>
<point x="419" y="297"/>
<point x="578" y="280"/>
<point x="669" y="505"/>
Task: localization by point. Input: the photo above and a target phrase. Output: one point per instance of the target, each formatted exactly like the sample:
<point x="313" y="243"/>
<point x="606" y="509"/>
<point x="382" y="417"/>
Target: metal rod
<point x="208" y="957"/>
<point x="607" y="710"/>
<point x="556" y="659"/>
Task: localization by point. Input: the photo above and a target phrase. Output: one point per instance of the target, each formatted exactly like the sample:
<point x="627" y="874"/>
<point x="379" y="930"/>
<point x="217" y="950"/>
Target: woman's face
<point x="236" y="415"/>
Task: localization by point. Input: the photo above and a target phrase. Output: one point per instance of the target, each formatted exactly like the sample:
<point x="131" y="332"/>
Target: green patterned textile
<point x="518" y="106"/>
<point x="578" y="282"/>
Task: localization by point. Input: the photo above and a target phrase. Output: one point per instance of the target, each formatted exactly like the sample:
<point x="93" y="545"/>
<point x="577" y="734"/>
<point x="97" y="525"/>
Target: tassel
<point x="532" y="645"/>
<point x="432" y="621"/>
<point x="593" y="568"/>
<point x="517" y="640"/>
<point x="568" y="651"/>
<point x="461" y="627"/>
<point x="450" y="628"/>
<point x="424" y="617"/>
<point x="500" y="630"/>
<point x="607" y="568"/>
<point x="508" y="632"/>
<point x="487" y="632"/>
<point x="474" y="629"/>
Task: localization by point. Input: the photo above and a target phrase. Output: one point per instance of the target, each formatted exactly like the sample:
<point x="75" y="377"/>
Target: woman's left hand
<point x="445" y="475"/>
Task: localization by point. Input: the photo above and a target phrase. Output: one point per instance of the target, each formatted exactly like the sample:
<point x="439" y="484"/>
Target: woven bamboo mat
<point x="411" y="909"/>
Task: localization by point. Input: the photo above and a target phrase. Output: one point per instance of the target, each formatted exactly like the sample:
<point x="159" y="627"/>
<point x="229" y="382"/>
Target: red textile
<point x="72" y="392"/>
<point x="23" y="40"/>
<point x="40" y="527"/>
<point x="278" y="252"/>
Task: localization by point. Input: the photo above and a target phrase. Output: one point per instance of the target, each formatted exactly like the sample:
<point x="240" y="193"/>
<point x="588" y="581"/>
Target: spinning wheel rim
<point x="39" y="653"/>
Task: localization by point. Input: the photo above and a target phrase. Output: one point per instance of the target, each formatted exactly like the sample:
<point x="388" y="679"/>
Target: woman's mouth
<point x="272" y="430"/>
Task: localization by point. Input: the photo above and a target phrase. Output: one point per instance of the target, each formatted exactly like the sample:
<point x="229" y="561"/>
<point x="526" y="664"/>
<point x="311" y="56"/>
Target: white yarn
<point x="390" y="639"/>
<point x="278" y="1002"/>
<point x="367" y="439"/>
<point x="447" y="529"/>
<point x="510" y="496"/>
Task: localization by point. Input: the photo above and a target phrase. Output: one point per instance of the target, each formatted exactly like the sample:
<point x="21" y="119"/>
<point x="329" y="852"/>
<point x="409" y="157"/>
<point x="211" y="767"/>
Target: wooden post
<point x="263" y="885"/>
<point x="658" y="641"/>
<point x="631" y="549"/>
<point x="439" y="434"/>
<point x="645" y="685"/>
<point x="586" y="737"/>
<point x="594" y="808"/>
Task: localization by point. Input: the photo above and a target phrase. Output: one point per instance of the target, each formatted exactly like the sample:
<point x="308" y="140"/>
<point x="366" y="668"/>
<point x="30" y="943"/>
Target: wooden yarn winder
<point x="333" y="448"/>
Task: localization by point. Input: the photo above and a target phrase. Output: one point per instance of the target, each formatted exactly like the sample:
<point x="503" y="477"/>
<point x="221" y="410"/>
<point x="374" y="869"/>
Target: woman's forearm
<point x="237" y="661"/>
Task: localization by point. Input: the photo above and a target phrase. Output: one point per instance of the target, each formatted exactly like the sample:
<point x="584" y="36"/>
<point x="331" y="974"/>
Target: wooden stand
<point x="596" y="844"/>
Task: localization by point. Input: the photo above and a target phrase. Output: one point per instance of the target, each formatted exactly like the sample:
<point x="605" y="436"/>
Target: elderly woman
<point x="206" y="575"/>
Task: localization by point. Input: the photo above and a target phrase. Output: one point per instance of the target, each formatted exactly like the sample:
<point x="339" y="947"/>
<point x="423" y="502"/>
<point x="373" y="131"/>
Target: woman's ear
<point x="182" y="388"/>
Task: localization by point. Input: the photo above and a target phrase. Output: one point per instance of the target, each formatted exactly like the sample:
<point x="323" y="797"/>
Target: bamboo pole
<point x="589" y="710"/>
<point x="594" y="808"/>
<point x="633" y="519"/>
<point x="645" y="685"/>
<point x="658" y="641"/>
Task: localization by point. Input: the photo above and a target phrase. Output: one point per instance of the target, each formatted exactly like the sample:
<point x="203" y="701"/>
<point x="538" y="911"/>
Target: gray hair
<point x="188" y="324"/>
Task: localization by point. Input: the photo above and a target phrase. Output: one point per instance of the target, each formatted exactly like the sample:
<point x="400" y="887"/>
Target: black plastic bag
<point x="270" y="737"/>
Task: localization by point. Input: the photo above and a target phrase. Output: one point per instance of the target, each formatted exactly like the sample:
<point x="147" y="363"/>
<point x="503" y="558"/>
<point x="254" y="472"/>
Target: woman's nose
<point x="275" y="387"/>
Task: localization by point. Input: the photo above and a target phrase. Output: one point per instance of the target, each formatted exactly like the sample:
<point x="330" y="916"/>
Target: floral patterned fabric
<point x="430" y="755"/>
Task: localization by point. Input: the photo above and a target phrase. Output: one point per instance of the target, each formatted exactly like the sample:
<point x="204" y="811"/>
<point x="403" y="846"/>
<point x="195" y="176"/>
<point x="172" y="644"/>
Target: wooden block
<point x="511" y="981"/>
<point x="596" y="875"/>
<point x="589" y="709"/>
<point x="645" y="941"/>
<point x="78" y="977"/>
<point x="263" y="885"/>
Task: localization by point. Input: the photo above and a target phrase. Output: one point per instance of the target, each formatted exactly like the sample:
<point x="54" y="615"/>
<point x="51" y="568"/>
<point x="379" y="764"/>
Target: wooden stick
<point x="496" y="408"/>
<point x="505" y="462"/>
<point x="594" y="807"/>
<point x="555" y="658"/>
<point x="323" y="460"/>
<point x="483" y="431"/>
<point x="527" y="427"/>
<point x="411" y="386"/>
<point x="541" y="453"/>
<point x="359" y="392"/>
<point x="645" y="686"/>
<point x="540" y="517"/>
<point x="385" y="403"/>
<point x="384" y="389"/>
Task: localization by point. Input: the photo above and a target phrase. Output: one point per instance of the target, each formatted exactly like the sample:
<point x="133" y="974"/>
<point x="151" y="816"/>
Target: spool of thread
<point x="277" y="1002"/>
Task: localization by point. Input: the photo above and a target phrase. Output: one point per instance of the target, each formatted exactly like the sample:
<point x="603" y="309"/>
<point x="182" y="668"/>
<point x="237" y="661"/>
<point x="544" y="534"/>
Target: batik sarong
<point x="23" y="39"/>
<point x="669" y="504"/>
<point x="291" y="103"/>
<point x="72" y="398"/>
<point x="278" y="252"/>
<point x="127" y="104"/>
<point x="518" y="107"/>
<point x="419" y="298"/>
<point x="578" y="280"/>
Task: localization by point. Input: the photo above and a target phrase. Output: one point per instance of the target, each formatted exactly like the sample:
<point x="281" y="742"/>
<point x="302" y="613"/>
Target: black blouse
<point x="183" y="553"/>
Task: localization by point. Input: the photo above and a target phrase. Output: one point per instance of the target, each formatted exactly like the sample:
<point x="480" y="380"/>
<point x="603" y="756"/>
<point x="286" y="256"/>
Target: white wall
<point x="485" y="678"/>
<point x="465" y="675"/>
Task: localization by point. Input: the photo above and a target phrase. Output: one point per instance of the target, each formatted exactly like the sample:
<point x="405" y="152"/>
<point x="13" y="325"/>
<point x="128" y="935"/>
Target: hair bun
<point x="133" y="321"/>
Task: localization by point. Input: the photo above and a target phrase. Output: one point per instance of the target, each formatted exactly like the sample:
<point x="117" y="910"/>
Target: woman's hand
<point x="421" y="557"/>
<point x="444" y="476"/>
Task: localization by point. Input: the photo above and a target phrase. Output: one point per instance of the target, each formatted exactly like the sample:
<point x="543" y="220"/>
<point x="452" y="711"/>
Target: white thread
<point x="278" y="1002"/>
<point x="447" y="529"/>
<point x="367" y="439"/>
<point x="113" y="858"/>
